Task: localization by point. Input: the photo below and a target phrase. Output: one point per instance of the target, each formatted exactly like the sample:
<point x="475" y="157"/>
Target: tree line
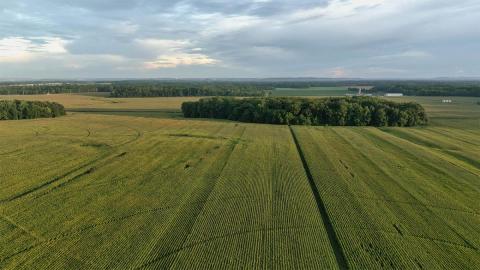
<point x="164" y="88"/>
<point x="430" y="89"/>
<point x="141" y="88"/>
<point x="19" y="109"/>
<point x="41" y="89"/>
<point x="349" y="111"/>
<point x="183" y="90"/>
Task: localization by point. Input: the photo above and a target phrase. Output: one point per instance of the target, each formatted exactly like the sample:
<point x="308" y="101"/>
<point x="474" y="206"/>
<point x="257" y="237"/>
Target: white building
<point x="394" y="95"/>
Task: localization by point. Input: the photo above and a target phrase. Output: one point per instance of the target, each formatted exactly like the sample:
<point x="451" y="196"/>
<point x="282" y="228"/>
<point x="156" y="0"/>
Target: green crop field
<point x="130" y="184"/>
<point x="313" y="91"/>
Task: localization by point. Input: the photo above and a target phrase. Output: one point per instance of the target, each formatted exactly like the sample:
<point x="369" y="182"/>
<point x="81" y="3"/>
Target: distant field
<point x="152" y="113"/>
<point x="463" y="112"/>
<point x="78" y="101"/>
<point x="312" y="91"/>
<point x="115" y="188"/>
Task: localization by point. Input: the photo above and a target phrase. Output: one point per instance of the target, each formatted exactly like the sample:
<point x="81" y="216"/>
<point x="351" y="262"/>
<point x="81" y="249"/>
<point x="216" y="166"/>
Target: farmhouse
<point x="394" y="95"/>
<point x="359" y="93"/>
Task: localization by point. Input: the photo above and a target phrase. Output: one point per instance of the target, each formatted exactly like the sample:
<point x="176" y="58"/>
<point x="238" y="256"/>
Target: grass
<point x="130" y="185"/>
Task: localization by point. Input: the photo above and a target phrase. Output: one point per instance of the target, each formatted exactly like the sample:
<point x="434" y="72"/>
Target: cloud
<point x="339" y="72"/>
<point x="163" y="45"/>
<point x="173" y="53"/>
<point x="412" y="54"/>
<point x="336" y="9"/>
<point x="20" y="49"/>
<point x="174" y="60"/>
<point x="123" y="28"/>
<point x="219" y="24"/>
<point x="244" y="38"/>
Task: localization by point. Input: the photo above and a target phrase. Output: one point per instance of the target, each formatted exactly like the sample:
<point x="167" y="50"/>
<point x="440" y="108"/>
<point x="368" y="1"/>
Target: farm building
<point x="394" y="95"/>
<point x="447" y="101"/>
<point x="359" y="93"/>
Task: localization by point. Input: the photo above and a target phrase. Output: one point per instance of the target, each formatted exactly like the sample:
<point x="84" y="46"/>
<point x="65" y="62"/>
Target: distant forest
<point x="171" y="88"/>
<point x="350" y="111"/>
<point x="188" y="89"/>
<point x="18" y="109"/>
<point x="142" y="89"/>
<point x="40" y="89"/>
<point x="429" y="90"/>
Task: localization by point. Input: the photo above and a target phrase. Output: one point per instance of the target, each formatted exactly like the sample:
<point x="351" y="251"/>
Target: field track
<point x="332" y="236"/>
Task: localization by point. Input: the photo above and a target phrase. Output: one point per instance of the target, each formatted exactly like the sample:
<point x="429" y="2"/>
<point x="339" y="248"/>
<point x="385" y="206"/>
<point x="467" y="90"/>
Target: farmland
<point x="311" y="91"/>
<point x="104" y="188"/>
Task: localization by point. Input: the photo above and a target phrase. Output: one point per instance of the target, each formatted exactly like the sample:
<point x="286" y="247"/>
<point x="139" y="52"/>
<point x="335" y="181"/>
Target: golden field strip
<point x="100" y="190"/>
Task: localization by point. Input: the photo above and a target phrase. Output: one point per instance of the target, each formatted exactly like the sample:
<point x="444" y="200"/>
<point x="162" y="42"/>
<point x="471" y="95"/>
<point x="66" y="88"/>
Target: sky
<point x="74" y="39"/>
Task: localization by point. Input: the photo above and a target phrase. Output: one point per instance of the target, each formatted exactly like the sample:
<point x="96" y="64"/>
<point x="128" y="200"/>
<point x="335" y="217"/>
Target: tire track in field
<point x="401" y="186"/>
<point x="409" y="235"/>
<point x="78" y="232"/>
<point x="440" y="154"/>
<point x="383" y="199"/>
<point x="460" y="158"/>
<point x="437" y="169"/>
<point x="10" y="152"/>
<point x="128" y="216"/>
<point x="103" y="160"/>
<point x="38" y="132"/>
<point x="106" y="155"/>
<point x="233" y="234"/>
<point x="20" y="227"/>
<point x="196" y="213"/>
<point x="446" y="133"/>
<point x="332" y="235"/>
<point x="138" y="135"/>
<point x="55" y="179"/>
<point x="17" y="253"/>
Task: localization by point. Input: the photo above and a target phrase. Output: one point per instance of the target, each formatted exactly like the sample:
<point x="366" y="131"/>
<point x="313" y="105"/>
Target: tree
<point x="14" y="110"/>
<point x="380" y="118"/>
<point x="329" y="111"/>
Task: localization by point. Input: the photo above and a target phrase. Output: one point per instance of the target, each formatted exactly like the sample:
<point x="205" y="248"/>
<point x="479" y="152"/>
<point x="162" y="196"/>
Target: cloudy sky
<point x="241" y="38"/>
